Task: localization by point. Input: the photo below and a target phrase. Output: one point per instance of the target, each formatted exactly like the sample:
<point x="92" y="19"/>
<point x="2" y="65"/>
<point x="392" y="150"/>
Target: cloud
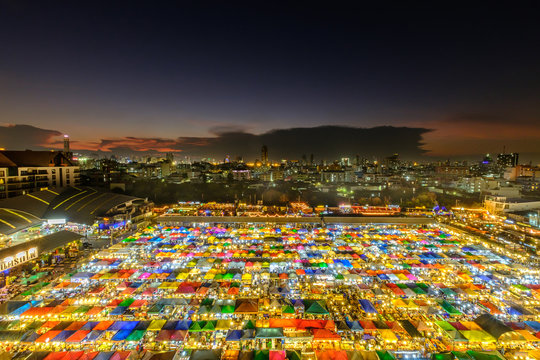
<point x="483" y="132"/>
<point x="325" y="142"/>
<point x="219" y="130"/>
<point x="139" y="144"/>
<point x="22" y="137"/>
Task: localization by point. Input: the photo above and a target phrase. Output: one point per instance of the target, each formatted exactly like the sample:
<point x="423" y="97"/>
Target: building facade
<point x="23" y="172"/>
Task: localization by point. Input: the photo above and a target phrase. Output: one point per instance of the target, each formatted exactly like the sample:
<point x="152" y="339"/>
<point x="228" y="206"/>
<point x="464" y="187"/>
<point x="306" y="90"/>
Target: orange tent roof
<point x="324" y="334"/>
<point x="103" y="325"/>
<point x="283" y="323"/>
<point x="48" y="336"/>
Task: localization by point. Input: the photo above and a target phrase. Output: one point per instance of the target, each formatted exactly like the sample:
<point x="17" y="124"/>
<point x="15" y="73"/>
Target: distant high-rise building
<point x="264" y="155"/>
<point x="488" y="160"/>
<point x="392" y="161"/>
<point x="508" y="160"/>
<point x="67" y="153"/>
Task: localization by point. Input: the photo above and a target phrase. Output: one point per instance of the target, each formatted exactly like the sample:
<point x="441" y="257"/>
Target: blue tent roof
<point x="89" y="325"/>
<point x="106" y="355"/>
<point x="535" y="325"/>
<point x="367" y="306"/>
<point x="143" y="325"/>
<point x="355" y="325"/>
<point x="121" y="335"/>
<point x="123" y="325"/>
<point x="514" y="311"/>
<point x="119" y="310"/>
<point x="30" y="337"/>
<point x="234" y="335"/>
<point x="20" y="310"/>
<point x="93" y="335"/>
<point x="170" y="325"/>
<point x="63" y="335"/>
<point x="183" y="325"/>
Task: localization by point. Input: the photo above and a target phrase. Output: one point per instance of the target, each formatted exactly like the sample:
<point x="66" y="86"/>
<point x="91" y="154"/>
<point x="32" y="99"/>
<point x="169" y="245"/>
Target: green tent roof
<point x="136" y="335"/>
<point x="82" y="309"/>
<point x="316" y="308"/>
<point x="207" y="302"/>
<point x="385" y="355"/>
<point x="445" y="325"/>
<point x="269" y="333"/>
<point x="203" y="310"/>
<point x="248" y="325"/>
<point x="449" y="308"/>
<point x="287" y="309"/>
<point x="442" y="356"/>
<point x="209" y="326"/>
<point x="262" y="355"/>
<point x="195" y="327"/>
<point x="227" y="309"/>
<point x="126" y="302"/>
<point x="461" y="355"/>
<point x="485" y="355"/>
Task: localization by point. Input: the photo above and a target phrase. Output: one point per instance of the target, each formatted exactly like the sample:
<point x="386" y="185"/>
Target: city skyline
<point x="173" y="77"/>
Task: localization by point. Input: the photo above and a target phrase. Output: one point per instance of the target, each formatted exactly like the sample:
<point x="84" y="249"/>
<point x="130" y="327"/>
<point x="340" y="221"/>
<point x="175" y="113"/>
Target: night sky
<point x="196" y="76"/>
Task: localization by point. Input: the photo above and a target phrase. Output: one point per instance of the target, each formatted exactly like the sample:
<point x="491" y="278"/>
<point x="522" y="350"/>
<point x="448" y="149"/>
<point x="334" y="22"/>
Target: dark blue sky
<point x="164" y="70"/>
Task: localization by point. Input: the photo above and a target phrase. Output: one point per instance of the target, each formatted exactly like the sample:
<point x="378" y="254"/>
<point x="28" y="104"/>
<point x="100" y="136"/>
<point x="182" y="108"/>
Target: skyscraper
<point x="67" y="153"/>
<point x="264" y="155"/>
<point x="507" y="160"/>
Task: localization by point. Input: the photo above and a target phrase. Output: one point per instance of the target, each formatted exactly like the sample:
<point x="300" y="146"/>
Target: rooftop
<point x="33" y="158"/>
<point x="80" y="205"/>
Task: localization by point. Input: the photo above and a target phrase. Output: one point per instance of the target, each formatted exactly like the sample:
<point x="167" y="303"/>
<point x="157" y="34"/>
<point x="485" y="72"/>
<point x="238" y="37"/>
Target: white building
<point x="501" y="204"/>
<point x="23" y="172"/>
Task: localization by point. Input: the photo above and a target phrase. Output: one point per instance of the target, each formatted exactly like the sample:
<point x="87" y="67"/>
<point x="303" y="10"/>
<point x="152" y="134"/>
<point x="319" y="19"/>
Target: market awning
<point x="205" y="355"/>
<point x="269" y="333"/>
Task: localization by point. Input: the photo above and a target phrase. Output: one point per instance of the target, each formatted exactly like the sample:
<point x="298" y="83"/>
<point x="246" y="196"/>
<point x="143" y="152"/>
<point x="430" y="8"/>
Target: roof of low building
<point x="33" y="158"/>
<point x="75" y="204"/>
<point x="83" y="205"/>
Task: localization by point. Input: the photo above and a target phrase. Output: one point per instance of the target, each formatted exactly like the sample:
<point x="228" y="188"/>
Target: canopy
<point x="205" y="355"/>
<point x="492" y="326"/>
<point x="269" y="333"/>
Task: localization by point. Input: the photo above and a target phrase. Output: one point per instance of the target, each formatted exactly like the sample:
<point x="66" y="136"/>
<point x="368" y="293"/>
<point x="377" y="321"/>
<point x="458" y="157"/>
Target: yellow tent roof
<point x="478" y="336"/>
<point x="388" y="335"/>
<point x="156" y="325"/>
<point x="399" y="303"/>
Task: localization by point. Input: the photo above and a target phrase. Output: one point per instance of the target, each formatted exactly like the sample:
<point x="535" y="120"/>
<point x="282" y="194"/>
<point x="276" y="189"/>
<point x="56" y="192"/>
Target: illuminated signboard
<point x="56" y="221"/>
<point x="19" y="258"/>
